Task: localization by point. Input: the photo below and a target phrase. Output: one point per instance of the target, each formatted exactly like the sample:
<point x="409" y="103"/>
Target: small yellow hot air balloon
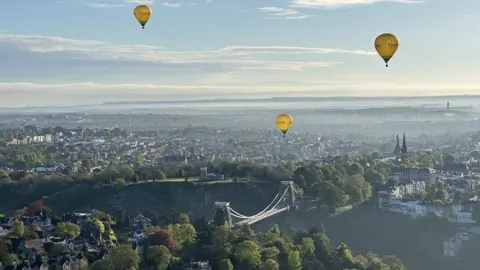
<point x="284" y="122"/>
<point x="386" y="46"/>
<point x="142" y="14"/>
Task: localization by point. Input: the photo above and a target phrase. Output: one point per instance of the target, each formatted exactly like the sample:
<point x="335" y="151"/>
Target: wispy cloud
<point x="230" y="57"/>
<point x="284" y="13"/>
<point x="276" y="11"/>
<point x="35" y="67"/>
<point x="104" y="5"/>
<point x="176" y="4"/>
<point x="125" y="3"/>
<point x="342" y="3"/>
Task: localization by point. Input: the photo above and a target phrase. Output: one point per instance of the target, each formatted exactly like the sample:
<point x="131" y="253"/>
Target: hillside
<point x="417" y="243"/>
<point x="195" y="199"/>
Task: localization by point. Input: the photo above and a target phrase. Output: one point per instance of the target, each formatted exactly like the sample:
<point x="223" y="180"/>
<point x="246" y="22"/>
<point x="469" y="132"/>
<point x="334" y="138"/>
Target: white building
<point x="392" y="201"/>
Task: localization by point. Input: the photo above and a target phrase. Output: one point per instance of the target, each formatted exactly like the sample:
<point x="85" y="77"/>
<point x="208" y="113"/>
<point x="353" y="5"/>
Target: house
<point x="14" y="142"/>
<point x="404" y="175"/>
<point x="459" y="167"/>
<point x="141" y="222"/>
<point x="4" y="232"/>
<point x="205" y="176"/>
<point x="35" y="244"/>
<point x="199" y="265"/>
<point x="76" y="218"/>
<point x="46" y="169"/>
<point x="40" y="221"/>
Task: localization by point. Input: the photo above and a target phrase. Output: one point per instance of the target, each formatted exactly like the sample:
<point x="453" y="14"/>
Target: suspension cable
<point x="238" y="215"/>
<point x="262" y="216"/>
<point x="266" y="209"/>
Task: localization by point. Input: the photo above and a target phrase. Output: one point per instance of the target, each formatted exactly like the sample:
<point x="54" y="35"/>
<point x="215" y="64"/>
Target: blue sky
<point x="72" y="52"/>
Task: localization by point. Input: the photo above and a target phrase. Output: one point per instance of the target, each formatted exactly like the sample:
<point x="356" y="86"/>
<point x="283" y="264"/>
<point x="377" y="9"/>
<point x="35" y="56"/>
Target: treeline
<point x="172" y="242"/>
<point x="332" y="185"/>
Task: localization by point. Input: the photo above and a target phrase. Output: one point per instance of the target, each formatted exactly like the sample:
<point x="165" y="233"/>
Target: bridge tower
<point x="222" y="214"/>
<point x="290" y="196"/>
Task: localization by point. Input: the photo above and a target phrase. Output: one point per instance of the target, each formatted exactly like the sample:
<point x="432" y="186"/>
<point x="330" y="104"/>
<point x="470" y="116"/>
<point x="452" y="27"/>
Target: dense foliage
<point x="339" y="185"/>
<point x="172" y="246"/>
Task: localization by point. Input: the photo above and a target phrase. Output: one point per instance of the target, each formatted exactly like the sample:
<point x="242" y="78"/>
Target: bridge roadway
<point x="263" y="216"/>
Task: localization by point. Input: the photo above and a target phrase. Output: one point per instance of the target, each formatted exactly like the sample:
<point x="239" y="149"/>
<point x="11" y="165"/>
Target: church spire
<point x="397" y="149"/>
<point x="404" y="145"/>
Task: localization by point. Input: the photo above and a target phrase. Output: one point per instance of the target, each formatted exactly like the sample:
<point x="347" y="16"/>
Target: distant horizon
<point x="437" y="98"/>
<point x="286" y="99"/>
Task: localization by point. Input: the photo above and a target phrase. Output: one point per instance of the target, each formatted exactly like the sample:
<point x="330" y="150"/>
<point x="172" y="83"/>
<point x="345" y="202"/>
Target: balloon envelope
<point x="142" y="14"/>
<point x="386" y="46"/>
<point x="284" y="122"/>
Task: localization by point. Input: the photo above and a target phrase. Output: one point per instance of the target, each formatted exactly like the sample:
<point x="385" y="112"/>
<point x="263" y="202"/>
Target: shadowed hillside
<point x="418" y="243"/>
<point x="195" y="199"/>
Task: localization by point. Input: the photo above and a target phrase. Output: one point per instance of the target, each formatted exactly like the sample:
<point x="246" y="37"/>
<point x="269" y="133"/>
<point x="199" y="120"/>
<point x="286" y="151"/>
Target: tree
<point x="226" y="264"/>
<point x="222" y="241"/>
<point x="307" y="246"/>
<point x="310" y="262"/>
<point x="20" y="165"/>
<point x="57" y="250"/>
<point x="4" y="177"/>
<point x="358" y="189"/>
<point x="5" y="257"/>
<point x="184" y="234"/>
<point x="108" y="175"/>
<point x="342" y="257"/>
<point x="329" y="194"/>
<point x="269" y="264"/>
<point x="81" y="264"/>
<point x="294" y="260"/>
<point x="374" y="177"/>
<point x="322" y="246"/>
<point x="124" y="257"/>
<point x="159" y="256"/>
<point x="448" y="159"/>
<point x="68" y="229"/>
<point x="104" y="264"/>
<point x="162" y="238"/>
<point x="18" y="229"/>
<point x="355" y="168"/>
<point x="270" y="253"/>
<point x="177" y="218"/>
<point x="35" y="207"/>
<point x="248" y="254"/>
<point x="428" y="161"/>
<point x="158" y="174"/>
<point x="393" y="262"/>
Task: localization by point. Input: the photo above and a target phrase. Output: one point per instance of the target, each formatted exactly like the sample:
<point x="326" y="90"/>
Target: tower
<point x="397" y="149"/>
<point x="203" y="173"/>
<point x="404" y="146"/>
<point x="222" y="214"/>
<point x="290" y="196"/>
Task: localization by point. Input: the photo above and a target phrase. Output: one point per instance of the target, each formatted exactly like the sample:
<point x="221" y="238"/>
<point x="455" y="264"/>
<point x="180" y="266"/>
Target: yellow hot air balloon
<point x="142" y="14"/>
<point x="284" y="122"/>
<point x="386" y="46"/>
